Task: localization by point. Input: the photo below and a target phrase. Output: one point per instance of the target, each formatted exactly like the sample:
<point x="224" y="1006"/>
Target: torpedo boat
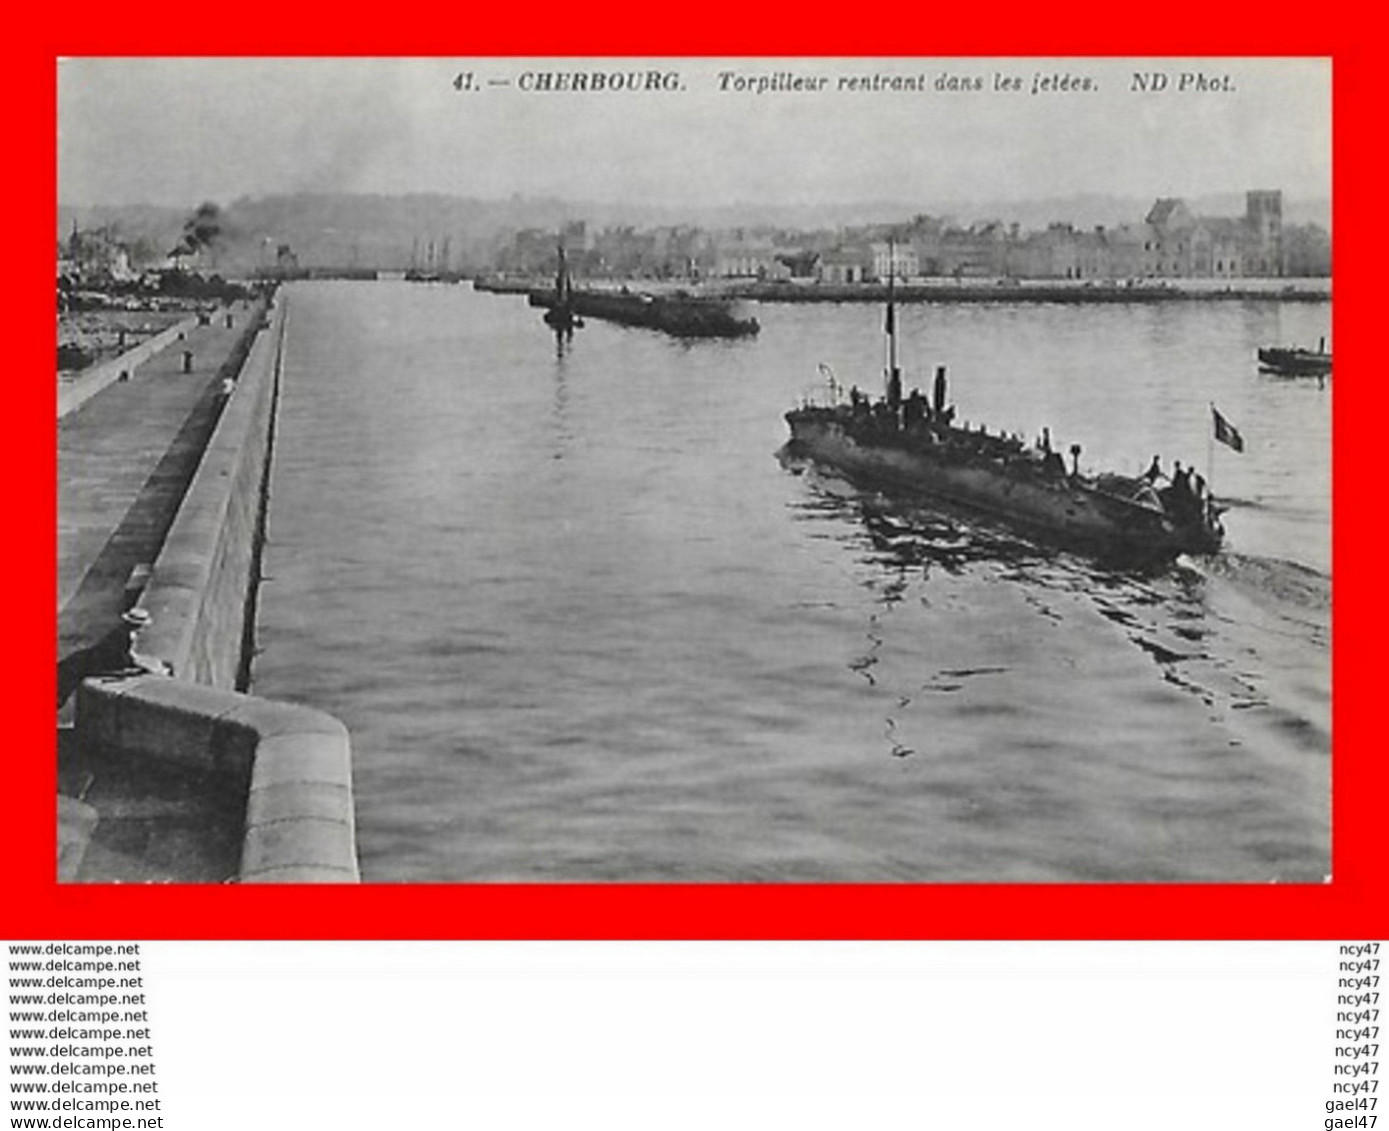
<point x="909" y="444"/>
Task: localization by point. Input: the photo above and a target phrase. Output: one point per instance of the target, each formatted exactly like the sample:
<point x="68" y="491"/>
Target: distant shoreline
<point x="943" y="291"/>
<point x="979" y="290"/>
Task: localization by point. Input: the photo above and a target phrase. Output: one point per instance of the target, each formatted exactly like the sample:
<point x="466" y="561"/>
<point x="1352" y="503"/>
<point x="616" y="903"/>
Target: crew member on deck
<point x="914" y="410"/>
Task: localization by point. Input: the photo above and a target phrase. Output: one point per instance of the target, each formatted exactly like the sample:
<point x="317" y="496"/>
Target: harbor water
<point x="585" y="625"/>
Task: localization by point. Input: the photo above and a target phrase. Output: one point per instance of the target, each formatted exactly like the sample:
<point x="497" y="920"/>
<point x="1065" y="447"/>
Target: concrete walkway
<point x="125" y="459"/>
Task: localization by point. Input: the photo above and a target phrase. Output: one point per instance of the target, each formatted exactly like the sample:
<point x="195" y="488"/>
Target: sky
<point x="177" y="131"/>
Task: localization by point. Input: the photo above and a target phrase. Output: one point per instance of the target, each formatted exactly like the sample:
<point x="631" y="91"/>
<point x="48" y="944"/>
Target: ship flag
<point x="1226" y="432"/>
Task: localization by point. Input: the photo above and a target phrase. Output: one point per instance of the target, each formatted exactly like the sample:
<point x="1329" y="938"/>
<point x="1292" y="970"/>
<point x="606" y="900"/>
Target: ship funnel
<point x="938" y="393"/>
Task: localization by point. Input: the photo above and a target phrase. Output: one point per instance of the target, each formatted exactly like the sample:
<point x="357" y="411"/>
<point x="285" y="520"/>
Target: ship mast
<point x="890" y="322"/>
<point x="894" y="377"/>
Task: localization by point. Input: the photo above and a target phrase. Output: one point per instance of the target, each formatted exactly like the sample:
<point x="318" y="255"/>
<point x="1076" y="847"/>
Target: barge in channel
<point x="679" y="313"/>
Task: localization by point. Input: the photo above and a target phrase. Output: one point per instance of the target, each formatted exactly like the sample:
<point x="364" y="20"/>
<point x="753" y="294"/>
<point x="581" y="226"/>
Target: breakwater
<point x="287" y="768"/>
<point x="1016" y="291"/>
<point x="290" y="766"/>
<point x="204" y="577"/>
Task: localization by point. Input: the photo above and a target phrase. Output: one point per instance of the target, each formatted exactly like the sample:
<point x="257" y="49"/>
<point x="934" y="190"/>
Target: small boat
<point x="911" y="444"/>
<point x="560" y="316"/>
<point x="1292" y="361"/>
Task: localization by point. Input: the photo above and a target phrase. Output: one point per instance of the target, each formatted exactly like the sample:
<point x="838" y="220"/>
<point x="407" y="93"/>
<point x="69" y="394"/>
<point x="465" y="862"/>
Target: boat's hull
<point x="1295" y="362"/>
<point x="1054" y="508"/>
<point x="688" y="317"/>
<point x="562" y="318"/>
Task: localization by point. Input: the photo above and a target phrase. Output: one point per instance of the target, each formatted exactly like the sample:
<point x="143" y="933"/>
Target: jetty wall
<point x="292" y="766"/>
<point x="202" y="583"/>
<point x="289" y="765"/>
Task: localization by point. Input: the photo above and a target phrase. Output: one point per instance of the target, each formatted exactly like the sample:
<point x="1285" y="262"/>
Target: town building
<point x="95" y="254"/>
<point x="1181" y="245"/>
<point x="744" y="257"/>
<point x="853" y="264"/>
<point x="894" y="260"/>
<point x="979" y="250"/>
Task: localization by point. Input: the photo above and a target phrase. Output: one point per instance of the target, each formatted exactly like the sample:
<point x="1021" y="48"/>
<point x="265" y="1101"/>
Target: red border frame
<point x="1356" y="904"/>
